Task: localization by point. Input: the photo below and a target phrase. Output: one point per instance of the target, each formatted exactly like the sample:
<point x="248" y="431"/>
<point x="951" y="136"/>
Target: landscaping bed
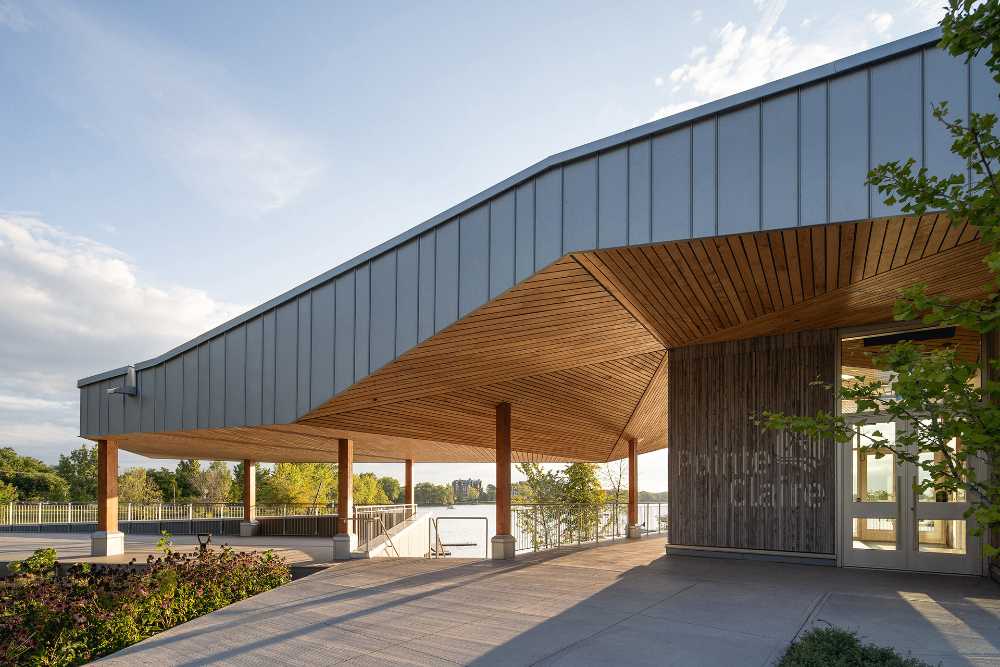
<point x="53" y="615"/>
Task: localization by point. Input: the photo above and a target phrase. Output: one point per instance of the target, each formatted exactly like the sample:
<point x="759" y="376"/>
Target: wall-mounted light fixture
<point x="129" y="387"/>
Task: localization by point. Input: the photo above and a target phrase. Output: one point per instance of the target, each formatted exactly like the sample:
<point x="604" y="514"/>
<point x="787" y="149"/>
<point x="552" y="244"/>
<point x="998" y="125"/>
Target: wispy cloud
<point x="137" y="90"/>
<point x="74" y="306"/>
<point x="743" y="55"/>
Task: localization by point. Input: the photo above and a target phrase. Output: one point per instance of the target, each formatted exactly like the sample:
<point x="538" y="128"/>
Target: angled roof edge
<point x="862" y="59"/>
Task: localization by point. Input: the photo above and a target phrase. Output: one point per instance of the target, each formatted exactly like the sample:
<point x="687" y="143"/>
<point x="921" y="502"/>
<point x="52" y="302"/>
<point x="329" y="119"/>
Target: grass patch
<point x="833" y="647"/>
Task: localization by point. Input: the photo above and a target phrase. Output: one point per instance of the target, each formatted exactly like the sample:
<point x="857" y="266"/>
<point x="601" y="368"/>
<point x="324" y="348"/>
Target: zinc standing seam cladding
<point x="792" y="153"/>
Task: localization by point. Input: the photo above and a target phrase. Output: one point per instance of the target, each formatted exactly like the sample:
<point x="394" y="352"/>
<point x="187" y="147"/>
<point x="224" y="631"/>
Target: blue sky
<point x="166" y="165"/>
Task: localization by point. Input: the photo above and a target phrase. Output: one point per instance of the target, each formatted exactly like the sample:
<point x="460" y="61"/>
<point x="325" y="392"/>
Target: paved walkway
<point x="614" y="604"/>
<point x="76" y="546"/>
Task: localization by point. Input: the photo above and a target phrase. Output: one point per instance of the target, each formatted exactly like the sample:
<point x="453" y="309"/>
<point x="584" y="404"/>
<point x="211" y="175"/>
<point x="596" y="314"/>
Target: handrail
<point x="438" y="546"/>
<point x="540" y="526"/>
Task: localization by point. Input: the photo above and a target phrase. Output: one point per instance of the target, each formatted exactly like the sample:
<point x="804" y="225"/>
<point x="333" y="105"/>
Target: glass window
<point x="945" y="536"/>
<point x="939" y="495"/>
<point x="874" y="472"/>
<point x="878" y="534"/>
<point x="856" y="357"/>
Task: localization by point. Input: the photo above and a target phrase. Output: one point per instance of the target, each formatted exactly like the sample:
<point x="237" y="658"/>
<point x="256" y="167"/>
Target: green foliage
<point x="427" y="493"/>
<point x="489" y="494"/>
<point x="368" y="491"/>
<point x="186" y="476"/>
<point x="300" y="483"/>
<point x="832" y="647"/>
<point x="33" y="480"/>
<point x="261" y="473"/>
<point x="653" y="496"/>
<point x="135" y="486"/>
<point x="166" y="480"/>
<point x="935" y="389"/>
<point x="214" y="483"/>
<point x="541" y="486"/>
<point x="47" y="618"/>
<point x="8" y="492"/>
<point x="41" y="562"/>
<point x="79" y="469"/>
<point x="392" y="489"/>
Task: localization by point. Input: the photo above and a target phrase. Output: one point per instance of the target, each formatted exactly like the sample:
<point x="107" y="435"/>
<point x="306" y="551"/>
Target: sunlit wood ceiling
<point x="578" y="349"/>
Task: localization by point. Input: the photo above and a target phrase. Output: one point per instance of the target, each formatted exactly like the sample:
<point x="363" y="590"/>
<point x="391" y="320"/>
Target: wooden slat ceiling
<point x="578" y="349"/>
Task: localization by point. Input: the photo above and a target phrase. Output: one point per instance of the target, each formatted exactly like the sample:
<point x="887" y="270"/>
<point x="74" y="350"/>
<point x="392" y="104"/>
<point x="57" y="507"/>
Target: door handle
<point x="916" y="523"/>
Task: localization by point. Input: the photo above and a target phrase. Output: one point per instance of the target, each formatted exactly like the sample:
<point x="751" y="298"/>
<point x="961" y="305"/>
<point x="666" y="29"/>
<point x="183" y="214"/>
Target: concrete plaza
<point x="623" y="603"/>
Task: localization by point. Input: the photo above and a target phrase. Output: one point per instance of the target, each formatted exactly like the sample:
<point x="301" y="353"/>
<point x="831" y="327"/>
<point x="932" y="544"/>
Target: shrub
<point x="50" y="616"/>
<point x="833" y="647"/>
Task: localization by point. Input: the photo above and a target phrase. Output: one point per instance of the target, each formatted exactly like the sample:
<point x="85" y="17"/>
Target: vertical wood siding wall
<point x="797" y="157"/>
<point x="730" y="484"/>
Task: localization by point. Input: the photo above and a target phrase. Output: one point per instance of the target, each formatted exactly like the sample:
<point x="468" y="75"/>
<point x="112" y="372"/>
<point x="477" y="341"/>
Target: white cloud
<point x="658" y="81"/>
<point x="73" y="306"/>
<point x="175" y="105"/>
<point x="671" y="109"/>
<point x="697" y="15"/>
<point x="880" y="21"/>
<point x="740" y="56"/>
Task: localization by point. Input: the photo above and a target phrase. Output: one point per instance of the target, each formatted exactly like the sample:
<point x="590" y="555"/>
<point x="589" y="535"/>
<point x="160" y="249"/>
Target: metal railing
<point x="74" y="513"/>
<point x="374" y="521"/>
<point x="439" y="549"/>
<point x="550" y="526"/>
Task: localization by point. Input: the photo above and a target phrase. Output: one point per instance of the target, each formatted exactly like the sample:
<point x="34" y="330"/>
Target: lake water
<point x="456" y="525"/>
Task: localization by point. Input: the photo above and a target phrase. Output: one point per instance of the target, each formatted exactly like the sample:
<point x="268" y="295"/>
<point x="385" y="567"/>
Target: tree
<point x="368" y="491"/>
<point x="8" y="492"/>
<point x="33" y="480"/>
<point x="426" y="493"/>
<point x="166" y="480"/>
<point x="79" y="469"/>
<point x="473" y="494"/>
<point x="583" y="495"/>
<point x="300" y="483"/>
<point x="615" y="474"/>
<point x="935" y="388"/>
<point x="261" y="474"/>
<point x="490" y="494"/>
<point x="391" y="487"/>
<point x="186" y="476"/>
<point x="214" y="483"/>
<point x="135" y="486"/>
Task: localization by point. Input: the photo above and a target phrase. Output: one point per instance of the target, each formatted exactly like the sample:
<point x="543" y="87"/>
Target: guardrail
<point x="374" y="521"/>
<point x="73" y="513"/>
<point x="550" y="526"/>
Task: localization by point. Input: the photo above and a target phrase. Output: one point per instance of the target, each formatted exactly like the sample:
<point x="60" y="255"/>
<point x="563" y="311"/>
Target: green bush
<point x="71" y="616"/>
<point x="832" y="647"/>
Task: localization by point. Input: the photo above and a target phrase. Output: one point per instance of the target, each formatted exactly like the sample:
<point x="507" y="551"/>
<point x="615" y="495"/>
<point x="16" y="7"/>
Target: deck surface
<point x="622" y="603"/>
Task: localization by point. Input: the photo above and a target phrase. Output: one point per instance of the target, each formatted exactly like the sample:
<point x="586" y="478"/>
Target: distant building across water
<point x="467" y="489"/>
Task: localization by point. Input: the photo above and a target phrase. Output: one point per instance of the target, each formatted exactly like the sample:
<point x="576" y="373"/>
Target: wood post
<point x="249" y="491"/>
<point x="345" y="485"/>
<point x="408" y="491"/>
<point x="107" y="486"/>
<point x="633" y="484"/>
<point x="503" y="468"/>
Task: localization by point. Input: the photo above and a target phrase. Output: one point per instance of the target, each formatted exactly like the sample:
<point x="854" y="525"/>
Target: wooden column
<point x="345" y="485"/>
<point x="503" y="469"/>
<point x="633" y="483"/>
<point x="408" y="491"/>
<point x="107" y="486"/>
<point x="249" y="491"/>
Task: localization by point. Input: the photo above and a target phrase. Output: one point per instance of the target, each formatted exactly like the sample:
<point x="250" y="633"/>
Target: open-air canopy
<point x="560" y="290"/>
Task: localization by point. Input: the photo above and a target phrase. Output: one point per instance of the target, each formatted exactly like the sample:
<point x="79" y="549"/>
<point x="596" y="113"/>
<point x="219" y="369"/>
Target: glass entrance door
<point x="889" y="525"/>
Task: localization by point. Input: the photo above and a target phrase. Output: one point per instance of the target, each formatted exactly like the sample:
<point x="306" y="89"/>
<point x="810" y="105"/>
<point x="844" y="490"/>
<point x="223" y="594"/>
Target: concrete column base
<point x="634" y="532"/>
<point x="248" y="528"/>
<point x="107" y="543"/>
<point x="502" y="547"/>
<point x="344" y="545"/>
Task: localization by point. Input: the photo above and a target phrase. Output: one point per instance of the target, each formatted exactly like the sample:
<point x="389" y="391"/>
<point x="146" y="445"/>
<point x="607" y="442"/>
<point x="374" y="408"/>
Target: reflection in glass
<point x="937" y="495"/>
<point x="945" y="536"/>
<point x="877" y="534"/>
<point x="874" y="475"/>
<point x="856" y="359"/>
